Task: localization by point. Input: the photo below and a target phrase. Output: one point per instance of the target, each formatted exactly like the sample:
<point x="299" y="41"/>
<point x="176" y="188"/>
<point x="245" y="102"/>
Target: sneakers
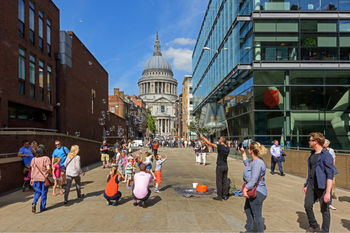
<point x="135" y="203"/>
<point x="272" y="173"/>
<point x="156" y="190"/>
<point x="66" y="202"/>
<point x="225" y="197"/>
<point x="282" y="174"/>
<point x="33" y="208"/>
<point x="81" y="196"/>
<point x="143" y="204"/>
<point x="332" y="207"/>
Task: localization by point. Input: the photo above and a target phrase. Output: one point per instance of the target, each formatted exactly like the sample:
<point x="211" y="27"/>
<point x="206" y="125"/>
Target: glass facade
<point x="304" y="88"/>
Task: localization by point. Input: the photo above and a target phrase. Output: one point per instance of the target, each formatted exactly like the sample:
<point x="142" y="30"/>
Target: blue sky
<point x="121" y="34"/>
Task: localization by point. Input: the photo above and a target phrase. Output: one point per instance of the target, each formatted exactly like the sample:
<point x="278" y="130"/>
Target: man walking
<point x="62" y="152"/>
<point x="276" y="153"/>
<point x="221" y="167"/>
<point x="318" y="184"/>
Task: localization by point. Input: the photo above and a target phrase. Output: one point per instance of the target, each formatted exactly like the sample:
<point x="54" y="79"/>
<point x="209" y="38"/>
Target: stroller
<point x="27" y="176"/>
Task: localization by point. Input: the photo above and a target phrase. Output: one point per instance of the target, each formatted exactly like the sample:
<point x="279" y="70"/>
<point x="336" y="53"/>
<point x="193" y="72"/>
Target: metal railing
<point x="29" y="129"/>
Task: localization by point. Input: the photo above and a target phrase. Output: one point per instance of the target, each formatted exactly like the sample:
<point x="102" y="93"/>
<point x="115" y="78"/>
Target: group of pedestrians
<point x="318" y="185"/>
<point x="125" y="171"/>
<point x="63" y="167"/>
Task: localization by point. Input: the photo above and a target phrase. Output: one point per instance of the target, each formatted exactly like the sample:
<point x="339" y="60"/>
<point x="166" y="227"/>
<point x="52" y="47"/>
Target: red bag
<point x="252" y="192"/>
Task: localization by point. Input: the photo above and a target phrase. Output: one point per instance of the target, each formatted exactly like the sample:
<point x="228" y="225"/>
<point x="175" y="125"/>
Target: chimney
<point x="122" y="94"/>
<point x="116" y="91"/>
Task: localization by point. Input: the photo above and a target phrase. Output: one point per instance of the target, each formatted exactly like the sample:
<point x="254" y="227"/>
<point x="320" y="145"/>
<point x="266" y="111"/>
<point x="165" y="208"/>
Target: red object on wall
<point x="271" y="97"/>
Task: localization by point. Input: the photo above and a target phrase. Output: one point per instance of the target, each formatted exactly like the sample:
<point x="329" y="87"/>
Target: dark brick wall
<point x="10" y="42"/>
<point x="75" y="112"/>
<point x="11" y="173"/>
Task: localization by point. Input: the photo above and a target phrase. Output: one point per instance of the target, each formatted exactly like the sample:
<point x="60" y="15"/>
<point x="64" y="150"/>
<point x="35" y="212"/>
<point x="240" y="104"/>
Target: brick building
<point x="82" y="90"/>
<point x="29" y="45"/>
<point x="130" y="108"/>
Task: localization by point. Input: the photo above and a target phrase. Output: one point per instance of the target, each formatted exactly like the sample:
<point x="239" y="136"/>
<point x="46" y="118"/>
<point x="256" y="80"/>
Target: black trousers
<point x="312" y="195"/>
<point x="69" y="184"/>
<point x="143" y="199"/>
<point x="116" y="197"/>
<point x="221" y="181"/>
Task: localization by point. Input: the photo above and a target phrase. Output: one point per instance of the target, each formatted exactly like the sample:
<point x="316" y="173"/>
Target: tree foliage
<point x="151" y="123"/>
<point x="195" y="127"/>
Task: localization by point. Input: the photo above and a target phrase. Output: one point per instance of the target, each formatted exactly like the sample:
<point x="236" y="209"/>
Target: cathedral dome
<point x="157" y="61"/>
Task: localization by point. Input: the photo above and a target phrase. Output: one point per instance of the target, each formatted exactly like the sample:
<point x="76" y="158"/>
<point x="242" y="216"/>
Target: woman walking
<point x="40" y="170"/>
<point x="73" y="172"/>
<point x="254" y="176"/>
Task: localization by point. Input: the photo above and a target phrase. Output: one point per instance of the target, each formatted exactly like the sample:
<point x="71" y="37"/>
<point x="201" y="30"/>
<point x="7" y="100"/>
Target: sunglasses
<point x="58" y="144"/>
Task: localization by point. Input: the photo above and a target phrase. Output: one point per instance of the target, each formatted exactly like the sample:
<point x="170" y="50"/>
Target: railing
<point x="7" y="155"/>
<point x="29" y="129"/>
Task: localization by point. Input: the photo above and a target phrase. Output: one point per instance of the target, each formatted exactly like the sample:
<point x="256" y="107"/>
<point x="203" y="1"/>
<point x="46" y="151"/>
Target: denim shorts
<point x="149" y="166"/>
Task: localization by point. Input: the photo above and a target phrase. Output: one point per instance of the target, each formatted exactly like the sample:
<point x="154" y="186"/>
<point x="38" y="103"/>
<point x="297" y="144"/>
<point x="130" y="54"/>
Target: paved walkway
<point x="168" y="212"/>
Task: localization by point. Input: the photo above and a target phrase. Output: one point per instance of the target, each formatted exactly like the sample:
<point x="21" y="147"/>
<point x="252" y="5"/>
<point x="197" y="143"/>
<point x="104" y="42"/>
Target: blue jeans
<point x="40" y="191"/>
<point x="253" y="210"/>
<point x="273" y="164"/>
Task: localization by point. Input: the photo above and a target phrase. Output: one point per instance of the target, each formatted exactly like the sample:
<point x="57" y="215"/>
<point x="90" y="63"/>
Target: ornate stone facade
<point x="158" y="89"/>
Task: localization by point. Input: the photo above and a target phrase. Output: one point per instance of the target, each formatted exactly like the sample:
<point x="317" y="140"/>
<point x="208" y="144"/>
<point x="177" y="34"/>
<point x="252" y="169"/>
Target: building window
<point x="41" y="81"/>
<point x="113" y="109"/>
<point x="48" y="37"/>
<point x="162" y="108"/>
<point x="21" y="71"/>
<point x="32" y="76"/>
<point x="31" y="22"/>
<point x="41" y="30"/>
<point x="48" y="81"/>
<point x="21" y="18"/>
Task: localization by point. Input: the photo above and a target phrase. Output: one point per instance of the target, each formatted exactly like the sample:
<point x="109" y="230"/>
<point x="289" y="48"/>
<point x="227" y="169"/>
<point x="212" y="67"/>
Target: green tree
<point x="194" y="126"/>
<point x="151" y="123"/>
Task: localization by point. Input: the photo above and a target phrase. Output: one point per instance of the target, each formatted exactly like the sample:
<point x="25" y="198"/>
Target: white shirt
<point x="276" y="150"/>
<point x="148" y="160"/>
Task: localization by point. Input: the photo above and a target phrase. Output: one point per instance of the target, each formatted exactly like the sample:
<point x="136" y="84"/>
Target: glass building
<point x="274" y="69"/>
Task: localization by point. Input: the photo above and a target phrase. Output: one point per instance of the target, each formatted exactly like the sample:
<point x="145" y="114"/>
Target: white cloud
<point x="183" y="41"/>
<point x="182" y="58"/>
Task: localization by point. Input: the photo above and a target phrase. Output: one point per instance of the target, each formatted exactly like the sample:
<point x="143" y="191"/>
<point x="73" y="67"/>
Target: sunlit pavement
<point x="168" y="211"/>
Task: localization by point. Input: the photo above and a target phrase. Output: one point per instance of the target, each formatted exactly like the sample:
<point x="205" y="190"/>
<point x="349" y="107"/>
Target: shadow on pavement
<point x="346" y="223"/>
<point x="61" y="204"/>
<point x="12" y="197"/>
<point x="344" y="198"/>
<point x="124" y="200"/>
<point x="302" y="220"/>
<point x="166" y="187"/>
<point x="152" y="201"/>
<point x="94" y="194"/>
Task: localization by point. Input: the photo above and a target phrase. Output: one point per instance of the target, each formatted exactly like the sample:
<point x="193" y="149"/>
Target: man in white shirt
<point x="276" y="153"/>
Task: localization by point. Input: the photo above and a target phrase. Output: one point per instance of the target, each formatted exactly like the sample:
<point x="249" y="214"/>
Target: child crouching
<point x="111" y="192"/>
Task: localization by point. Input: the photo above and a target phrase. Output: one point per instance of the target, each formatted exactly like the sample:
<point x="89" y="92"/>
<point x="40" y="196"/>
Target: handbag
<point x="48" y="182"/>
<point x="252" y="192"/>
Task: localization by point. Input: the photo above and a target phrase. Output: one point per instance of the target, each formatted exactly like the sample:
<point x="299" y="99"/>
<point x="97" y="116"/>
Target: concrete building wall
<point x="296" y="164"/>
